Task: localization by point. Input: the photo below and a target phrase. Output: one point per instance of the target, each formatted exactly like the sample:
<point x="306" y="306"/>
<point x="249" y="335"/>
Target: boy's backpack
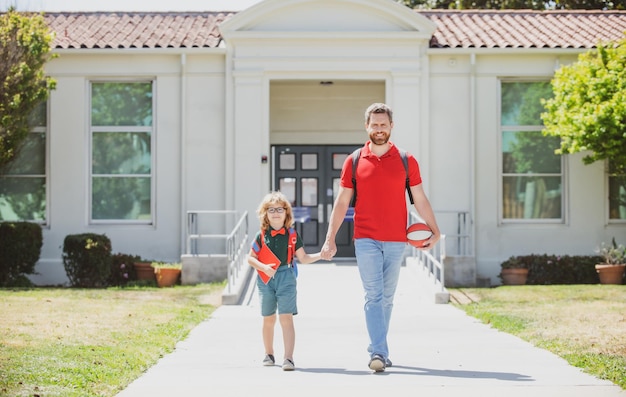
<point x="356" y="155"/>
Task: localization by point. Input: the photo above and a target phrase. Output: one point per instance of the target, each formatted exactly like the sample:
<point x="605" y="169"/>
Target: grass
<point x="92" y="342"/>
<point x="584" y="324"/>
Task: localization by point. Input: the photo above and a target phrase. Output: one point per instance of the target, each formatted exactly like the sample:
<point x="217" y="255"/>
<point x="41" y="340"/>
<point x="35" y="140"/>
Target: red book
<point x="265" y="255"/>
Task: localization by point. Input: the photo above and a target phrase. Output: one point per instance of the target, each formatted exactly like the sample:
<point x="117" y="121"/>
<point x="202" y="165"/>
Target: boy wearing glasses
<point x="272" y="253"/>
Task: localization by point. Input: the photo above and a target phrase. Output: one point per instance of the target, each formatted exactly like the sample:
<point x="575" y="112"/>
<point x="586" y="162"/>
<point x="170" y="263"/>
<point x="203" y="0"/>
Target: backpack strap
<point x="405" y="161"/>
<point x="356" y="155"/>
<point x="291" y="248"/>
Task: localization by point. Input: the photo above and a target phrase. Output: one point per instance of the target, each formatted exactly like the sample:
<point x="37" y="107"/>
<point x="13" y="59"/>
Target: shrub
<point x="87" y="259"/>
<point x="123" y="269"/>
<point x="557" y="269"/>
<point x="20" y="249"/>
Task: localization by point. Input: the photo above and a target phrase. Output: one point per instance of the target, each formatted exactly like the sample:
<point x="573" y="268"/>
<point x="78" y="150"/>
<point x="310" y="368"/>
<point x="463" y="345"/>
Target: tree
<point x="588" y="109"/>
<point x="25" y="44"/>
<point x="517" y="4"/>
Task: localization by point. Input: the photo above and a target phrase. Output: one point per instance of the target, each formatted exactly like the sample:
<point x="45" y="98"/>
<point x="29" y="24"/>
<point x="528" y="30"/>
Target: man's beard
<point x="379" y="141"/>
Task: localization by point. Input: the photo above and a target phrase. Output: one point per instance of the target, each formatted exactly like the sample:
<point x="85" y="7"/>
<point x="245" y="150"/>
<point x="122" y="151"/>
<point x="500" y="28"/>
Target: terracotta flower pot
<point x="514" y="276"/>
<point x="144" y="271"/>
<point x="610" y="274"/>
<point x="166" y="277"/>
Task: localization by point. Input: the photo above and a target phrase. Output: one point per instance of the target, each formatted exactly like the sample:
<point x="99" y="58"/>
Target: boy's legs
<point x="268" y="333"/>
<point x="289" y="334"/>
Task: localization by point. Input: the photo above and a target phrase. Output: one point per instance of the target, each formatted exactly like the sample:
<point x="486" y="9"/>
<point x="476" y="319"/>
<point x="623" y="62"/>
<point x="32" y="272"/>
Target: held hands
<point x="328" y="250"/>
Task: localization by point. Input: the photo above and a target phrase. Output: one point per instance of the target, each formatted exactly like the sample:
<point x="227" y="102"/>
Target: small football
<point x="417" y="234"/>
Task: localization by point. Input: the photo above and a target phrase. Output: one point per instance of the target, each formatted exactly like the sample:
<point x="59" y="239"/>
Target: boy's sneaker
<point x="288" y="365"/>
<point x="388" y="363"/>
<point x="377" y="363"/>
<point x="268" y="360"/>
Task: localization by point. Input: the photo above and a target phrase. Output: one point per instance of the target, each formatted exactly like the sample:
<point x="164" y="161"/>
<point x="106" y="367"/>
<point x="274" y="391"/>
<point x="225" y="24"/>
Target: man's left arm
<point x="424" y="209"/>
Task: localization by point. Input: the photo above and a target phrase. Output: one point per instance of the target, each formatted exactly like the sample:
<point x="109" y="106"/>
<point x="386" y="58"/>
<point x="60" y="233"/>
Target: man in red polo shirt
<point x="380" y="222"/>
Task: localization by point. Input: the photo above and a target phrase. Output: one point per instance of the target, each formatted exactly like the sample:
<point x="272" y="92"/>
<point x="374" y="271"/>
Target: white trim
<point x="142" y="51"/>
<point x="183" y="150"/>
<point x="392" y="9"/>
<point x="507" y="51"/>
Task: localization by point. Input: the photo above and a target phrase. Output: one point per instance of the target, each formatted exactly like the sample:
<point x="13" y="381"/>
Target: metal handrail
<point x="461" y="240"/>
<point x="235" y="242"/>
<point x="432" y="260"/>
<point x="193" y="235"/>
<point x="433" y="264"/>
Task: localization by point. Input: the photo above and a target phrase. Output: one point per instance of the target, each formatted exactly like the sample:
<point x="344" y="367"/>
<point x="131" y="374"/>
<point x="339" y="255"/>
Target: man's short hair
<point x="378" y="108"/>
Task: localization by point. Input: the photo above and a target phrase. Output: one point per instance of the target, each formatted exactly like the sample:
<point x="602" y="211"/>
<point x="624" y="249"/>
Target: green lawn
<point x="92" y="342"/>
<point x="584" y="324"/>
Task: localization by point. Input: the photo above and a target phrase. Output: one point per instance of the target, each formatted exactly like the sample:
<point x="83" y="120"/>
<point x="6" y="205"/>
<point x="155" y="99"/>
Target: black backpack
<point x="356" y="155"/>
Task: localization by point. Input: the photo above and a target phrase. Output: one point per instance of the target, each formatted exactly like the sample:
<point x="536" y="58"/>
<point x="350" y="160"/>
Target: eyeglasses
<point x="280" y="210"/>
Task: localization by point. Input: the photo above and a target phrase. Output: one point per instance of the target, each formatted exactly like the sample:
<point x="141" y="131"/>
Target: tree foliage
<point x="516" y="4"/>
<point x="588" y="109"/>
<point x="25" y="44"/>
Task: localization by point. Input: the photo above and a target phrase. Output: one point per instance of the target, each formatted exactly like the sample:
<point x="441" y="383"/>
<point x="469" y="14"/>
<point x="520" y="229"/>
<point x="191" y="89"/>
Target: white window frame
<point x="46" y="176"/>
<point x="501" y="129"/>
<point x="609" y="220"/>
<point x="151" y="129"/>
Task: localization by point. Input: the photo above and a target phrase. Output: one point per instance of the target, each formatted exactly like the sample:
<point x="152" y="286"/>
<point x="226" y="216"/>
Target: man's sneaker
<point x="268" y="360"/>
<point x="388" y="363"/>
<point x="377" y="363"/>
<point x="288" y="365"/>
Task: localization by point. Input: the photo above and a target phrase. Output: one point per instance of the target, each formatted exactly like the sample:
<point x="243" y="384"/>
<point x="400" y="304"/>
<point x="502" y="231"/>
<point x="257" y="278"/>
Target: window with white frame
<point x="23" y="194"/>
<point x="121" y="151"/>
<point x="617" y="193"/>
<point x="532" y="174"/>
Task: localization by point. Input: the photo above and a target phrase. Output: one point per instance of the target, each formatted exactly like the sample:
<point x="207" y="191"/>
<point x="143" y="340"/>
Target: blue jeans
<point x="379" y="265"/>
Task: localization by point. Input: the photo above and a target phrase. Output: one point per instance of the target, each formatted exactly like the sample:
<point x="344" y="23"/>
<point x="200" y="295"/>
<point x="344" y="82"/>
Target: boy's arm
<point x="254" y="261"/>
<point x="305" y="258"/>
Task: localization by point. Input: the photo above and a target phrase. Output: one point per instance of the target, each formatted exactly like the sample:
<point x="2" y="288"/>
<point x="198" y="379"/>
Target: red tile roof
<point x="455" y="29"/>
<point x="525" y="29"/>
<point x="136" y="30"/>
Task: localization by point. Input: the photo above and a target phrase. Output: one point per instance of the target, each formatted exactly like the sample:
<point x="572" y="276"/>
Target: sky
<point x="127" y="5"/>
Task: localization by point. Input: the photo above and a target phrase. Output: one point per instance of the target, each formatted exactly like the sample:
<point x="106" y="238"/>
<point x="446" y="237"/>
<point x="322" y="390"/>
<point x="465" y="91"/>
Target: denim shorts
<point x="279" y="293"/>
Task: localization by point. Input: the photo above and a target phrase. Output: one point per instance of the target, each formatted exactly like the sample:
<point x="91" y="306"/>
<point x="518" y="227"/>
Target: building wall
<point x="186" y="176"/>
<point x="219" y="110"/>
<point x="465" y="97"/>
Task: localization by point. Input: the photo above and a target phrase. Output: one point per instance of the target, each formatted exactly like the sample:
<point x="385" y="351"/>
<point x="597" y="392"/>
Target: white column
<point x="406" y="96"/>
<point x="251" y="141"/>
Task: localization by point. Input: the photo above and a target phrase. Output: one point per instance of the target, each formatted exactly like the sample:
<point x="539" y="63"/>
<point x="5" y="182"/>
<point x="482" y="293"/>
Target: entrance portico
<point x="281" y="44"/>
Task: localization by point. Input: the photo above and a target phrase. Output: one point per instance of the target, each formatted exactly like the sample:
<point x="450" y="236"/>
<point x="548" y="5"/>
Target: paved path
<point x="437" y="350"/>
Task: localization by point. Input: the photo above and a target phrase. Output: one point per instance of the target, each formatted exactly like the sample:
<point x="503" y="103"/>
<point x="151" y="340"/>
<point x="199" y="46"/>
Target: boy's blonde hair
<point x="274" y="199"/>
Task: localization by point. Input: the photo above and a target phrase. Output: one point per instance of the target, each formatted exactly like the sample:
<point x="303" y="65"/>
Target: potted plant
<point x="611" y="271"/>
<point x="514" y="271"/>
<point x="167" y="274"/>
<point x="144" y="270"/>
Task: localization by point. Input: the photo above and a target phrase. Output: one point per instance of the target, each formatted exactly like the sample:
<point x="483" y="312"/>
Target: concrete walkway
<point x="436" y="350"/>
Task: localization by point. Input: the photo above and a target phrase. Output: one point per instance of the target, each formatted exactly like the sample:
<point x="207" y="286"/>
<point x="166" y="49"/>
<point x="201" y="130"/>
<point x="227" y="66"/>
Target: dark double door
<point x="309" y="177"/>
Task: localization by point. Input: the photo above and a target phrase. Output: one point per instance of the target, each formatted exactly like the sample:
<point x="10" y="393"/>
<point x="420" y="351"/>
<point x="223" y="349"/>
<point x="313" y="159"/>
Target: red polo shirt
<point x="381" y="206"/>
